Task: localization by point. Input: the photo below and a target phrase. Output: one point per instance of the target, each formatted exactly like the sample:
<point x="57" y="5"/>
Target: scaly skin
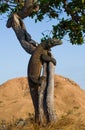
<point x="40" y="55"/>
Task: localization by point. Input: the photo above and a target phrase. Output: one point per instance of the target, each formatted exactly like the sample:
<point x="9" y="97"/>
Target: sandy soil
<point x="15" y="100"/>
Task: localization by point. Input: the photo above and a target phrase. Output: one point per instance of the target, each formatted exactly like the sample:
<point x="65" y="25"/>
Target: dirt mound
<point x="15" y="100"/>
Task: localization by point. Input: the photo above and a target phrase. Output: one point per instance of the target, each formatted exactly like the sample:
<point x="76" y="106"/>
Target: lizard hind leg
<point x="34" y="80"/>
<point x="42" y="78"/>
<point x="37" y="81"/>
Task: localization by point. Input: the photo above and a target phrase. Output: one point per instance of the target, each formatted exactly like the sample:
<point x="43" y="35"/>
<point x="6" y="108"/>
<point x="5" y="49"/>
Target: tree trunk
<point x="41" y="92"/>
<point x="35" y="100"/>
<point x="42" y="97"/>
<point x="50" y="94"/>
<point x="46" y="95"/>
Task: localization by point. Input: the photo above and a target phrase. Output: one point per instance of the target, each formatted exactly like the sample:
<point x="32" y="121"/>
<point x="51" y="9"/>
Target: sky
<point x="14" y="60"/>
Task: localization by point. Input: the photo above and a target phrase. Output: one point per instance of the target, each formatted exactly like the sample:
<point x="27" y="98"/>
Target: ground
<point x="16" y="109"/>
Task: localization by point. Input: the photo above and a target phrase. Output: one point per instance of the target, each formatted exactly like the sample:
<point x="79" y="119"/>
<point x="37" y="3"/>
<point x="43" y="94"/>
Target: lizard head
<point x="51" y="42"/>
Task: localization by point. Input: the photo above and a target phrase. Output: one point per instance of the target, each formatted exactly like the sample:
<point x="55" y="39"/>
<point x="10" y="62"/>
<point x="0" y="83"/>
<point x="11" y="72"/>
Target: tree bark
<point x="50" y="94"/>
<point x="29" y="7"/>
<point x="41" y="93"/>
<point x="46" y="95"/>
<point x="20" y="30"/>
<point x="35" y="100"/>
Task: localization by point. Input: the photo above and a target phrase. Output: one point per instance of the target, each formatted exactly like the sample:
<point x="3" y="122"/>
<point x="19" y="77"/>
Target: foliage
<point x="10" y="6"/>
<point x="69" y="16"/>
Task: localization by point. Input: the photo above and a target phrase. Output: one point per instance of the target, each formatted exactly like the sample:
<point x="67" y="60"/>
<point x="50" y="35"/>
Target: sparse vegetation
<point x="64" y="123"/>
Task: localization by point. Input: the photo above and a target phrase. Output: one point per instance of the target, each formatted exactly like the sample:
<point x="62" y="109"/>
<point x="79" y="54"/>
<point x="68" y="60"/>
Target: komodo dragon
<point x="40" y="55"/>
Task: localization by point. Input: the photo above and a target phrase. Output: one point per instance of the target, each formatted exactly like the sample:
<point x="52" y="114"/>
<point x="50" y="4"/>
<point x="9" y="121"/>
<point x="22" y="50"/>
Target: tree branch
<point x="74" y="15"/>
<point x="23" y="36"/>
<point x="29" y="7"/>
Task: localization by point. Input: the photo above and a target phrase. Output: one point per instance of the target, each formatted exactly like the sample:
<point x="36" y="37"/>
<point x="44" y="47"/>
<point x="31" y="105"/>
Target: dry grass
<point x="65" y="123"/>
